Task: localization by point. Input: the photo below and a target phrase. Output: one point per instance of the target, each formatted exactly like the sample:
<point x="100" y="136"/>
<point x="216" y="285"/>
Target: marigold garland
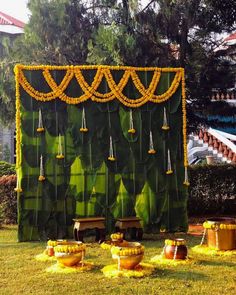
<point x="90" y="91"/>
<point x="214" y="226"/>
<point x="175" y="242"/>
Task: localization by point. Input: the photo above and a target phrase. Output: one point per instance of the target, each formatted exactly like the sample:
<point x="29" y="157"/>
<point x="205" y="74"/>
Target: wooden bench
<point x="83" y="224"/>
<point x="133" y="223"/>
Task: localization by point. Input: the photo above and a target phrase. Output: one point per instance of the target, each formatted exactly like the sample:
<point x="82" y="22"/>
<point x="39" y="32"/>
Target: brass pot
<point x="69" y="253"/>
<point x="129" y="261"/>
<point x="69" y="259"/>
<point x="128" y="254"/>
<point x="222" y="239"/>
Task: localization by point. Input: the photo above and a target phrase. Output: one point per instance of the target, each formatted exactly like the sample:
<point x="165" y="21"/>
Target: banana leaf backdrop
<point x="84" y="182"/>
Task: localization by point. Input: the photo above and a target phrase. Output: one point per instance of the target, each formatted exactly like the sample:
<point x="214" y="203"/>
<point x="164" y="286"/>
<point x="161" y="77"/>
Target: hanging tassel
<point x="131" y="123"/>
<point x="169" y="169"/>
<point x="18" y="188"/>
<point x="165" y="125"/>
<point x="41" y="170"/>
<point x="111" y="152"/>
<point x="60" y="153"/>
<point x="151" y="146"/>
<point x="83" y="126"/>
<point x="40" y="124"/>
<point x="186" y="181"/>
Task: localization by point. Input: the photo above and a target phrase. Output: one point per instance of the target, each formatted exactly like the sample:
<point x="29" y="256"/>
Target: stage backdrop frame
<point x="100" y="141"/>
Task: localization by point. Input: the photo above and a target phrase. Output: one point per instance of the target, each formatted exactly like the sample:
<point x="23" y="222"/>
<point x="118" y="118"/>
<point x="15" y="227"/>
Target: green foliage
<point x="8" y="199"/>
<point x="212" y="189"/>
<point x="122" y="32"/>
<point x="6" y="168"/>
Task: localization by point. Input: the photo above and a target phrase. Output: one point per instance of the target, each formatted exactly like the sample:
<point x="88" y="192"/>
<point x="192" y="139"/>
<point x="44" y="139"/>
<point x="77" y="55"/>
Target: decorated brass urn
<point x="221" y="233"/>
<point x="70" y="253"/>
<point x="175" y="249"/>
<point x="128" y="254"/>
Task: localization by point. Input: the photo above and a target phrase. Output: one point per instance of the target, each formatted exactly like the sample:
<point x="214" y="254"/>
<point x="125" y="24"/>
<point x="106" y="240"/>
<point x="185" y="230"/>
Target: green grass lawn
<point x="20" y="273"/>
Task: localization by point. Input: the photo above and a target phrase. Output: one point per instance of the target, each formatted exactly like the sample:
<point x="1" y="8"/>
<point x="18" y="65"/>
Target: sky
<point x="15" y="8"/>
<point x="18" y="8"/>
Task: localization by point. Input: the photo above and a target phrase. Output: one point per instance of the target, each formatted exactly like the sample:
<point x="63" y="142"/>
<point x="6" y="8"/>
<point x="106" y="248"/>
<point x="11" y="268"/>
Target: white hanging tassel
<point x="111" y="152"/>
<point x="131" y="123"/>
<point x="59" y="149"/>
<point x="169" y="168"/>
<point x="18" y="188"/>
<point x="41" y="170"/>
<point x="165" y="125"/>
<point x="186" y="181"/>
<point x="151" y="146"/>
<point x="83" y="126"/>
<point x="40" y="123"/>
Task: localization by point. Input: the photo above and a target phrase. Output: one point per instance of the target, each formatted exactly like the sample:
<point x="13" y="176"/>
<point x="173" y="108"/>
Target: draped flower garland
<point x="91" y="92"/>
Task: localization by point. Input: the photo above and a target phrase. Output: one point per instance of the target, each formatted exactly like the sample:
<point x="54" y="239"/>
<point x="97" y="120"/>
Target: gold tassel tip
<point x="60" y="157"/>
<point x="186" y="183"/>
<point x="40" y="129"/>
<point x="18" y="189"/>
<point x="168" y="172"/>
<point x="151" y="151"/>
<point x="41" y="178"/>
<point x="165" y="127"/>
<point x="132" y="131"/>
<point x="111" y="159"/>
<point x="83" y="130"/>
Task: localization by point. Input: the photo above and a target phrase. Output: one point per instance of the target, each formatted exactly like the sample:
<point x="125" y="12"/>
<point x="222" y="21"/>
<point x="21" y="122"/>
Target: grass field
<point x="20" y="273"/>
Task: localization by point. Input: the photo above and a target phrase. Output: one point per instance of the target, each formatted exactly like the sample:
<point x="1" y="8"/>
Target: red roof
<point x="9" y="20"/>
<point x="231" y="37"/>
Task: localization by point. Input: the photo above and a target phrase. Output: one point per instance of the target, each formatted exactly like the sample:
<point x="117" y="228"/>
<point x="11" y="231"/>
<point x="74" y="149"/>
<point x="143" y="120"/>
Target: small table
<point x="123" y="224"/>
<point x="83" y="224"/>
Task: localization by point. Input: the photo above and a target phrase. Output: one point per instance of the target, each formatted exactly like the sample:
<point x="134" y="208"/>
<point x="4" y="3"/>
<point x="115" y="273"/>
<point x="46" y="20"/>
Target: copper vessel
<point x="176" y="251"/>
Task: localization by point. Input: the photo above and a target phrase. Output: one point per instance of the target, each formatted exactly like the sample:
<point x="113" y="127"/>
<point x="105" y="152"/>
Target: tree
<point x="57" y="33"/>
<point x="124" y="32"/>
<point x="165" y="29"/>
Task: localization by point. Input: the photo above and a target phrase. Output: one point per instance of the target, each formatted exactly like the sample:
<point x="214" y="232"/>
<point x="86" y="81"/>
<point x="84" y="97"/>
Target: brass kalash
<point x="127" y="254"/>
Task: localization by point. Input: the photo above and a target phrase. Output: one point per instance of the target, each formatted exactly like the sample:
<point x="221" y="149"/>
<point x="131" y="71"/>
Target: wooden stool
<point x="123" y="224"/>
<point x="83" y="224"/>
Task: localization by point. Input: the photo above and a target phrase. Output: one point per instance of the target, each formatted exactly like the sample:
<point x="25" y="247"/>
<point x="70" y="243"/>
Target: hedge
<point x="212" y="190"/>
<point x="8" y="199"/>
<point x="6" y="168"/>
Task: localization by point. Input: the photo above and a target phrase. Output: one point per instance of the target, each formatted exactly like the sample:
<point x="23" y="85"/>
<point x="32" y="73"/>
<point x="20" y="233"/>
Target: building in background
<point x="9" y="28"/>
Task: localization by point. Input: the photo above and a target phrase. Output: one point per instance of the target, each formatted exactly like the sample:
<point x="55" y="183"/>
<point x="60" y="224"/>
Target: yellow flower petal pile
<point x="80" y="267"/>
<point x="44" y="257"/>
<point x="203" y="249"/>
<point x="143" y="269"/>
<point x="160" y="259"/>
